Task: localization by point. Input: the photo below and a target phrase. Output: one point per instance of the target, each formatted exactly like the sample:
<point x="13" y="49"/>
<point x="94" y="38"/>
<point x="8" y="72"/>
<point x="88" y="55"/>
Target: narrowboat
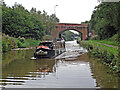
<point x="49" y="49"/>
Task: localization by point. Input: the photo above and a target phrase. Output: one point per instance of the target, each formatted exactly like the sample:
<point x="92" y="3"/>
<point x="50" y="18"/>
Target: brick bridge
<point x="83" y="29"/>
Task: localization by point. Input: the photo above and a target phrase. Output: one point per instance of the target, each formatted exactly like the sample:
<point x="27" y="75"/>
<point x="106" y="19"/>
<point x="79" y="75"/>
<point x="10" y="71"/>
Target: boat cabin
<point x="47" y="43"/>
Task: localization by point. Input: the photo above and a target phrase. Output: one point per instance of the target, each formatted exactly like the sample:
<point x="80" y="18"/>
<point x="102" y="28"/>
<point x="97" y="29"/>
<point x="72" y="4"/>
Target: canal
<point x="72" y="69"/>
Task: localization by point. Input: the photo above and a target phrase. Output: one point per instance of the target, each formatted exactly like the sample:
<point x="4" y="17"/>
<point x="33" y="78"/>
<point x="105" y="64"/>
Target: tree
<point x="19" y="22"/>
<point x="104" y="20"/>
<point x="68" y="35"/>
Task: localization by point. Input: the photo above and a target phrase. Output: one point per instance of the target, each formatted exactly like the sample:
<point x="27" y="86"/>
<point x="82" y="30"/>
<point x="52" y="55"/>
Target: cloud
<point x="69" y="11"/>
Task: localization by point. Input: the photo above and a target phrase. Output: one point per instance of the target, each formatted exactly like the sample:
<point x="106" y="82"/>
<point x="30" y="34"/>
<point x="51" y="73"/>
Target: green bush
<point x="48" y="37"/>
<point x="20" y="44"/>
<point x="94" y="37"/>
<point x="9" y="43"/>
<point x="114" y="38"/>
<point x="4" y="46"/>
<point x="31" y="43"/>
<point x="22" y="40"/>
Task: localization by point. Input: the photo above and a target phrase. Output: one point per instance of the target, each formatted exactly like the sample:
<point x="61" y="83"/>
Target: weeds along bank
<point x="108" y="55"/>
<point x="9" y="43"/>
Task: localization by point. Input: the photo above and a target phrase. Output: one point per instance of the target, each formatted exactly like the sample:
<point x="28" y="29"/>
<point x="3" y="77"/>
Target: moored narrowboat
<point x="49" y="49"/>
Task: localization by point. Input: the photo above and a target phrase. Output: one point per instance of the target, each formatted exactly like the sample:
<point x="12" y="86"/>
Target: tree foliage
<point x="19" y="22"/>
<point x="105" y="19"/>
<point x="68" y="36"/>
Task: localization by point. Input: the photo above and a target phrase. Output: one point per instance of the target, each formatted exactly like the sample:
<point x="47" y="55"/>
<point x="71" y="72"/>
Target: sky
<point x="68" y="11"/>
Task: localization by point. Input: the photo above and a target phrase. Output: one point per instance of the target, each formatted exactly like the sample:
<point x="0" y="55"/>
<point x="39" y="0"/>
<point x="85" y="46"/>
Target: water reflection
<point x="75" y="73"/>
<point x="104" y="78"/>
<point x="73" y="69"/>
<point x="17" y="67"/>
<point x="45" y="65"/>
<point x="20" y="71"/>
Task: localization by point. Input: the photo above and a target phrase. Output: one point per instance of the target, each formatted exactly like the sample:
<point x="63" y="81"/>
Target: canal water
<point x="72" y="69"/>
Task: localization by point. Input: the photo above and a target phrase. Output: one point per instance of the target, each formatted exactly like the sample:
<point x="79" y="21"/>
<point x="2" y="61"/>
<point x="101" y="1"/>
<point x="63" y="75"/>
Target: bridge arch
<point x="82" y="28"/>
<point x="62" y="31"/>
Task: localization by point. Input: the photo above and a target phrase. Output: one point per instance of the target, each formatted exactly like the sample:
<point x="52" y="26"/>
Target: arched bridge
<point x="81" y="28"/>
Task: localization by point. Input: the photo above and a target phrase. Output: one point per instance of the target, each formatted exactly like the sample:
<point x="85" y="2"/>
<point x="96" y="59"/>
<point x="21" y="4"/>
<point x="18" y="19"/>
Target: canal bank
<point x="12" y="43"/>
<point x="107" y="54"/>
<point x="75" y="70"/>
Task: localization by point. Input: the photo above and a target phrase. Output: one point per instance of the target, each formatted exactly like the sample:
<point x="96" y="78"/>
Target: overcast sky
<point x="68" y="11"/>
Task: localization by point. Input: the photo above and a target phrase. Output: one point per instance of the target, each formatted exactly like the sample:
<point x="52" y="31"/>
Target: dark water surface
<point x="72" y="69"/>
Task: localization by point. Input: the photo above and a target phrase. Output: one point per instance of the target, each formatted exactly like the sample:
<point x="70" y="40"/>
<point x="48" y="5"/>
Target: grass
<point x="114" y="43"/>
<point x="110" y="41"/>
<point x="109" y="55"/>
<point x="110" y="49"/>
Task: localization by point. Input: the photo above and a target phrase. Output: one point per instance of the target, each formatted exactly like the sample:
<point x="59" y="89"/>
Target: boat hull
<point x="49" y="49"/>
<point x="44" y="53"/>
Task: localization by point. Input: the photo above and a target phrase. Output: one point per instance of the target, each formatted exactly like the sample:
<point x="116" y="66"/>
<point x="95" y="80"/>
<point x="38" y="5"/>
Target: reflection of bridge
<point x="83" y="29"/>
